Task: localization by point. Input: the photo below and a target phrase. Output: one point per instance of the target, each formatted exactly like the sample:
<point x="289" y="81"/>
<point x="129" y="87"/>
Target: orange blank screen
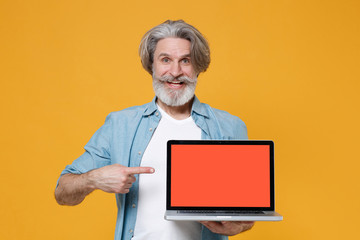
<point x="220" y="175"/>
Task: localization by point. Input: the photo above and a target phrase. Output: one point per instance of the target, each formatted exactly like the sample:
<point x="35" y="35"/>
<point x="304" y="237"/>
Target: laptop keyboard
<point x="220" y="212"/>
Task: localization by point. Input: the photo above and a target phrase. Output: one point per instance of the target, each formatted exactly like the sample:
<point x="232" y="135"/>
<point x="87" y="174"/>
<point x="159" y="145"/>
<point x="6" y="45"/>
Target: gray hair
<point x="200" y="51"/>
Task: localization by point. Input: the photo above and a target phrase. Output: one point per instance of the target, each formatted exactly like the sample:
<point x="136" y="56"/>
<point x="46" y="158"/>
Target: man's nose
<point x="175" y="69"/>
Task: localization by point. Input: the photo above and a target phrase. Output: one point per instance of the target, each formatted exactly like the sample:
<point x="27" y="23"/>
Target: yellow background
<point x="289" y="69"/>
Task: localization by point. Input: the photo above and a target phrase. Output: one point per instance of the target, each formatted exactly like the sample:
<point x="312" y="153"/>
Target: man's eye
<point x="186" y="60"/>
<point x="165" y="60"/>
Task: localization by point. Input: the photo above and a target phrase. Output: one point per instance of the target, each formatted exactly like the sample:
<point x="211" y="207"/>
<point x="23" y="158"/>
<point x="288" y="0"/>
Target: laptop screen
<point x="220" y="174"/>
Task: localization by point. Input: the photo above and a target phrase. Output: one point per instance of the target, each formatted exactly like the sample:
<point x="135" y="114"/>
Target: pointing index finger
<point x="140" y="170"/>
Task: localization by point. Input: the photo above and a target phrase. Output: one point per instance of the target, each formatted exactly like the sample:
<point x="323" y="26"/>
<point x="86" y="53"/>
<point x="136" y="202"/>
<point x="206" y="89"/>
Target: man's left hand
<point x="228" y="228"/>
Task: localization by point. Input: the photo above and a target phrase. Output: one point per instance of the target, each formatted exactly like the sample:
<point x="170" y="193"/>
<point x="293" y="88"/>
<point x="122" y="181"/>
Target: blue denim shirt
<point x="123" y="139"/>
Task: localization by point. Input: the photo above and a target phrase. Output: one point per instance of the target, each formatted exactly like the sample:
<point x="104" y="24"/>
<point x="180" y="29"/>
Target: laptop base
<point x="175" y="215"/>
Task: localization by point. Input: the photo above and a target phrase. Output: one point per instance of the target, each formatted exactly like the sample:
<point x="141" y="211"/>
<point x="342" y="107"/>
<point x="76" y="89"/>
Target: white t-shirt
<point x="150" y="222"/>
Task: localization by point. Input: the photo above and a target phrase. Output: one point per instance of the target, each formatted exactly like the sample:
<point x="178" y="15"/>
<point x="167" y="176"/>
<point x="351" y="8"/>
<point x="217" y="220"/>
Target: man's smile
<point x="174" y="84"/>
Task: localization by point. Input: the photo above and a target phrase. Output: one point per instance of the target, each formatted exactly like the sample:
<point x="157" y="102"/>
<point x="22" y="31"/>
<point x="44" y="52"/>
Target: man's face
<point x="174" y="78"/>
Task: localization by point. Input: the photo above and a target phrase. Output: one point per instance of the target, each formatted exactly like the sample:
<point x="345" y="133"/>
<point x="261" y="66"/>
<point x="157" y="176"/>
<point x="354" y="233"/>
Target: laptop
<point x="220" y="180"/>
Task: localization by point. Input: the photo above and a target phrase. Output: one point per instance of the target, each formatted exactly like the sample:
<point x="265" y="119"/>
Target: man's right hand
<point x="116" y="178"/>
<point x="73" y="188"/>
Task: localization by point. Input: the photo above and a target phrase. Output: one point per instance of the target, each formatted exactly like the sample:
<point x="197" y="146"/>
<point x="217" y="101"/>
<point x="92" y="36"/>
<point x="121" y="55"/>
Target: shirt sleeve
<point x="97" y="151"/>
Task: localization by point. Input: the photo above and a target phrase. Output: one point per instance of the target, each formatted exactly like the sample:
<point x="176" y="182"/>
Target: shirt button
<point x="133" y="205"/>
<point x="150" y="129"/>
<point x="131" y="231"/>
<point x="157" y="114"/>
<point x="139" y="153"/>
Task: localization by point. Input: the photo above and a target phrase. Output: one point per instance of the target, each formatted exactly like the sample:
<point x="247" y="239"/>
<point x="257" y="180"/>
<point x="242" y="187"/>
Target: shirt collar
<point x="199" y="108"/>
<point x="150" y="108"/>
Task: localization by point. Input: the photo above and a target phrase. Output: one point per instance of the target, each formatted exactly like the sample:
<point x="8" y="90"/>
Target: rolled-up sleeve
<point x="97" y="151"/>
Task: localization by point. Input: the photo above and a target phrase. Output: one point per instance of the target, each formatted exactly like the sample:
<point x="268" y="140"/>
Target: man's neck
<point x="179" y="112"/>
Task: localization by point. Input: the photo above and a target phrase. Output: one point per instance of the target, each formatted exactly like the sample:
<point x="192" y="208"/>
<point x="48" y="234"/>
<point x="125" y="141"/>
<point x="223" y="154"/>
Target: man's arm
<point x="228" y="228"/>
<point x="73" y="188"/>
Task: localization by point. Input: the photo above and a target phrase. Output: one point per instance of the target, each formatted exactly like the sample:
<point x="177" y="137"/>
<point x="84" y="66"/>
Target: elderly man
<point x="133" y="141"/>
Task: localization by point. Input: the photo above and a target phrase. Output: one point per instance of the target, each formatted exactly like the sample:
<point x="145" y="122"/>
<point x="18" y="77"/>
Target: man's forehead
<point x="171" y="46"/>
<point x="163" y="54"/>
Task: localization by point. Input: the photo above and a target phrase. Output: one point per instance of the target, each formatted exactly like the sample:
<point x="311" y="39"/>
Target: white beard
<point x="174" y="97"/>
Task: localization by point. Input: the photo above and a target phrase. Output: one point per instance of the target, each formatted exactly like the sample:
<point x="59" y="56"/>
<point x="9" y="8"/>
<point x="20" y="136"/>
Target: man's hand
<point x="116" y="178"/>
<point x="228" y="228"/>
<point x="73" y="188"/>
